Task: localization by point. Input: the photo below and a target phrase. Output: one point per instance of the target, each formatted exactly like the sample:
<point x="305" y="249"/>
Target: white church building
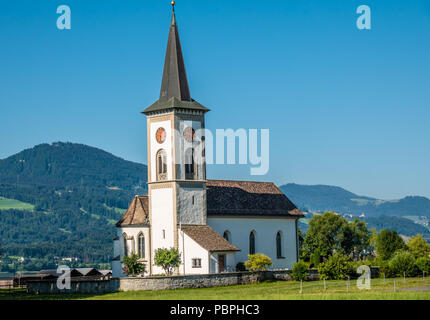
<point x="214" y="224"/>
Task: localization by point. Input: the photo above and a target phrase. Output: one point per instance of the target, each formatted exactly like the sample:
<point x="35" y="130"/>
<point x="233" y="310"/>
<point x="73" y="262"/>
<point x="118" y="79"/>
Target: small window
<point x="141" y="245"/>
<point x="279" y="244"/>
<point x="125" y="245"/>
<point x="189" y="164"/>
<point x="252" y="243"/>
<point x="193" y="200"/>
<point x="161" y="165"/>
<point x="197" y="263"/>
<point x="164" y="234"/>
<point x="227" y="236"/>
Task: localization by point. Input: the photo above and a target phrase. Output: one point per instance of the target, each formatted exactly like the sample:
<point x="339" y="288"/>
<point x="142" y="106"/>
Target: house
<point x="214" y="224"/>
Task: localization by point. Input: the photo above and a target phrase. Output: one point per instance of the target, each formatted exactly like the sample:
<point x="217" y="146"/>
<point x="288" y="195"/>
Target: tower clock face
<point x="189" y="134"/>
<point x="160" y="135"/>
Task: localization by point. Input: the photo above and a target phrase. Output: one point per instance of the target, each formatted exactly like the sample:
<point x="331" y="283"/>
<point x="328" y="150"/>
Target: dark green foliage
<point x="423" y="264"/>
<point x="387" y="243"/>
<point x="300" y="270"/>
<point x="337" y="267"/>
<point x="240" y="267"/>
<point x="168" y="259"/>
<point x="402" y="263"/>
<point x="330" y="232"/>
<point x="76" y="190"/>
<point x="315" y="258"/>
<point x="132" y="266"/>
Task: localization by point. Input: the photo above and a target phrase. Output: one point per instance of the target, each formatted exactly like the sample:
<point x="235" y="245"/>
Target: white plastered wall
<point x="189" y="249"/>
<point x="162" y="219"/>
<point x="265" y="241"/>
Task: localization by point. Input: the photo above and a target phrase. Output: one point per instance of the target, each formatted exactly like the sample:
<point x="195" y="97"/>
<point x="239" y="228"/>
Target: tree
<point x="330" y="232"/>
<point x="423" y="264"/>
<point x="402" y="263"/>
<point x="418" y="246"/>
<point x="356" y="238"/>
<point x="167" y="259"/>
<point x="258" y="262"/>
<point x="132" y="266"/>
<point x="337" y="267"/>
<point x="300" y="270"/>
<point x="387" y="243"/>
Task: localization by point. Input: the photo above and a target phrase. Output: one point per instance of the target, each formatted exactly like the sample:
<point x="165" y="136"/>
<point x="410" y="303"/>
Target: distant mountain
<point x="78" y="193"/>
<point x="69" y="165"/>
<point x="329" y="198"/>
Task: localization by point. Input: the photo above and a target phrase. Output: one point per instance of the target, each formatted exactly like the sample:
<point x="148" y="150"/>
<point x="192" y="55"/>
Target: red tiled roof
<point x="208" y="238"/>
<point x="137" y="213"/>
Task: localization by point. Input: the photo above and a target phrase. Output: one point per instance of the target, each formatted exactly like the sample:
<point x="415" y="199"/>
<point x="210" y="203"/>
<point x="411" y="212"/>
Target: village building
<point x="214" y="224"/>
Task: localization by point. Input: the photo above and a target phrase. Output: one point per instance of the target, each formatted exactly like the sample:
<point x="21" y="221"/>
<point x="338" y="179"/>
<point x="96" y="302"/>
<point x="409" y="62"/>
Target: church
<point x="214" y="224"/>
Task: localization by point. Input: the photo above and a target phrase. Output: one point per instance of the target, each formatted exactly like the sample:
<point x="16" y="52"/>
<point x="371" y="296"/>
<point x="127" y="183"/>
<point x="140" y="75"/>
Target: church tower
<point x="176" y="153"/>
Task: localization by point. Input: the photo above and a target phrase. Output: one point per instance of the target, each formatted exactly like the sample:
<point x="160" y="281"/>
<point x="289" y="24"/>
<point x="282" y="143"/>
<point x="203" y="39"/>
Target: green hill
<point x="66" y="198"/>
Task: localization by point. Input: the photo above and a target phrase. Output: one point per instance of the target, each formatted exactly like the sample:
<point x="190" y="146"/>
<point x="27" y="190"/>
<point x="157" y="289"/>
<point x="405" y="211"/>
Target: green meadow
<point x="10" y="204"/>
<point x="406" y="289"/>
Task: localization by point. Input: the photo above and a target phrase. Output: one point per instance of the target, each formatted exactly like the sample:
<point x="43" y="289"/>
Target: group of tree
<point x="337" y="247"/>
<point x="167" y="259"/>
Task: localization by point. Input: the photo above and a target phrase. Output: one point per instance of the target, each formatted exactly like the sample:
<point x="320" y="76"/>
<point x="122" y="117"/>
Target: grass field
<point x="8" y="204"/>
<point x="279" y="290"/>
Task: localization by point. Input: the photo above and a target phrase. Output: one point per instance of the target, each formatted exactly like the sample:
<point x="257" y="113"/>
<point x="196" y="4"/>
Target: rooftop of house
<point x="208" y="238"/>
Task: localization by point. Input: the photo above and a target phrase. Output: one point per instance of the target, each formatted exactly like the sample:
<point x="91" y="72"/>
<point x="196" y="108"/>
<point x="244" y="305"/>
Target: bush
<point x="132" y="266"/>
<point x="168" y="259"/>
<point x="258" y="262"/>
<point x="315" y="258"/>
<point x="403" y="262"/>
<point x="337" y="267"/>
<point x="300" y="271"/>
<point x="240" y="267"/>
<point x="423" y="264"/>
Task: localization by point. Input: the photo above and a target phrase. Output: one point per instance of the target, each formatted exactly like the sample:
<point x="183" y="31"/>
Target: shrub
<point x="423" y="264"/>
<point x="403" y="262"/>
<point x="258" y="262"/>
<point x="167" y="259"/>
<point x="240" y="267"/>
<point x="315" y="258"/>
<point x="300" y="271"/>
<point x="132" y="266"/>
<point x="337" y="267"/>
<point x="418" y="246"/>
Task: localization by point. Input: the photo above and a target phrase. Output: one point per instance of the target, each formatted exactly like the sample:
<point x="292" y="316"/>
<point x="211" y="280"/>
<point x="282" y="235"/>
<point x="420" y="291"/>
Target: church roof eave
<point x="175" y="104"/>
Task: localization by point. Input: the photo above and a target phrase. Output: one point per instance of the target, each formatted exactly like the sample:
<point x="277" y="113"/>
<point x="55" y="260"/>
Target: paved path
<point x="416" y="289"/>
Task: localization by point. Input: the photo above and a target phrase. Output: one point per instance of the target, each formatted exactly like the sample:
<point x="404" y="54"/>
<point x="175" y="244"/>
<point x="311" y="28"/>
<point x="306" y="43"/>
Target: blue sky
<point x="344" y="107"/>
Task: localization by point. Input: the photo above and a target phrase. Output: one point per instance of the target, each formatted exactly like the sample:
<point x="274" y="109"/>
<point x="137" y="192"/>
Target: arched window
<point x="161" y="160"/>
<point x="252" y="242"/>
<point x="279" y="244"/>
<point x="190" y="165"/>
<point x="141" y="245"/>
<point x="227" y="235"/>
<point x="125" y="244"/>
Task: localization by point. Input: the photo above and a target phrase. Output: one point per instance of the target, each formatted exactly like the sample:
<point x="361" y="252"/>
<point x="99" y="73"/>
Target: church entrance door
<point x="221" y="262"/>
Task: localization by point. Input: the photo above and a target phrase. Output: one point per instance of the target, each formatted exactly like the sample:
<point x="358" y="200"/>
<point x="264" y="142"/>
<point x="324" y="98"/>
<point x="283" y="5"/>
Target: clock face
<point x="160" y="135"/>
<point x="189" y="134"/>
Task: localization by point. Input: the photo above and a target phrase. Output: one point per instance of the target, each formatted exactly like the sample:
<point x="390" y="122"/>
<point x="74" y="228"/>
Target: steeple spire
<point x="175" y="83"/>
